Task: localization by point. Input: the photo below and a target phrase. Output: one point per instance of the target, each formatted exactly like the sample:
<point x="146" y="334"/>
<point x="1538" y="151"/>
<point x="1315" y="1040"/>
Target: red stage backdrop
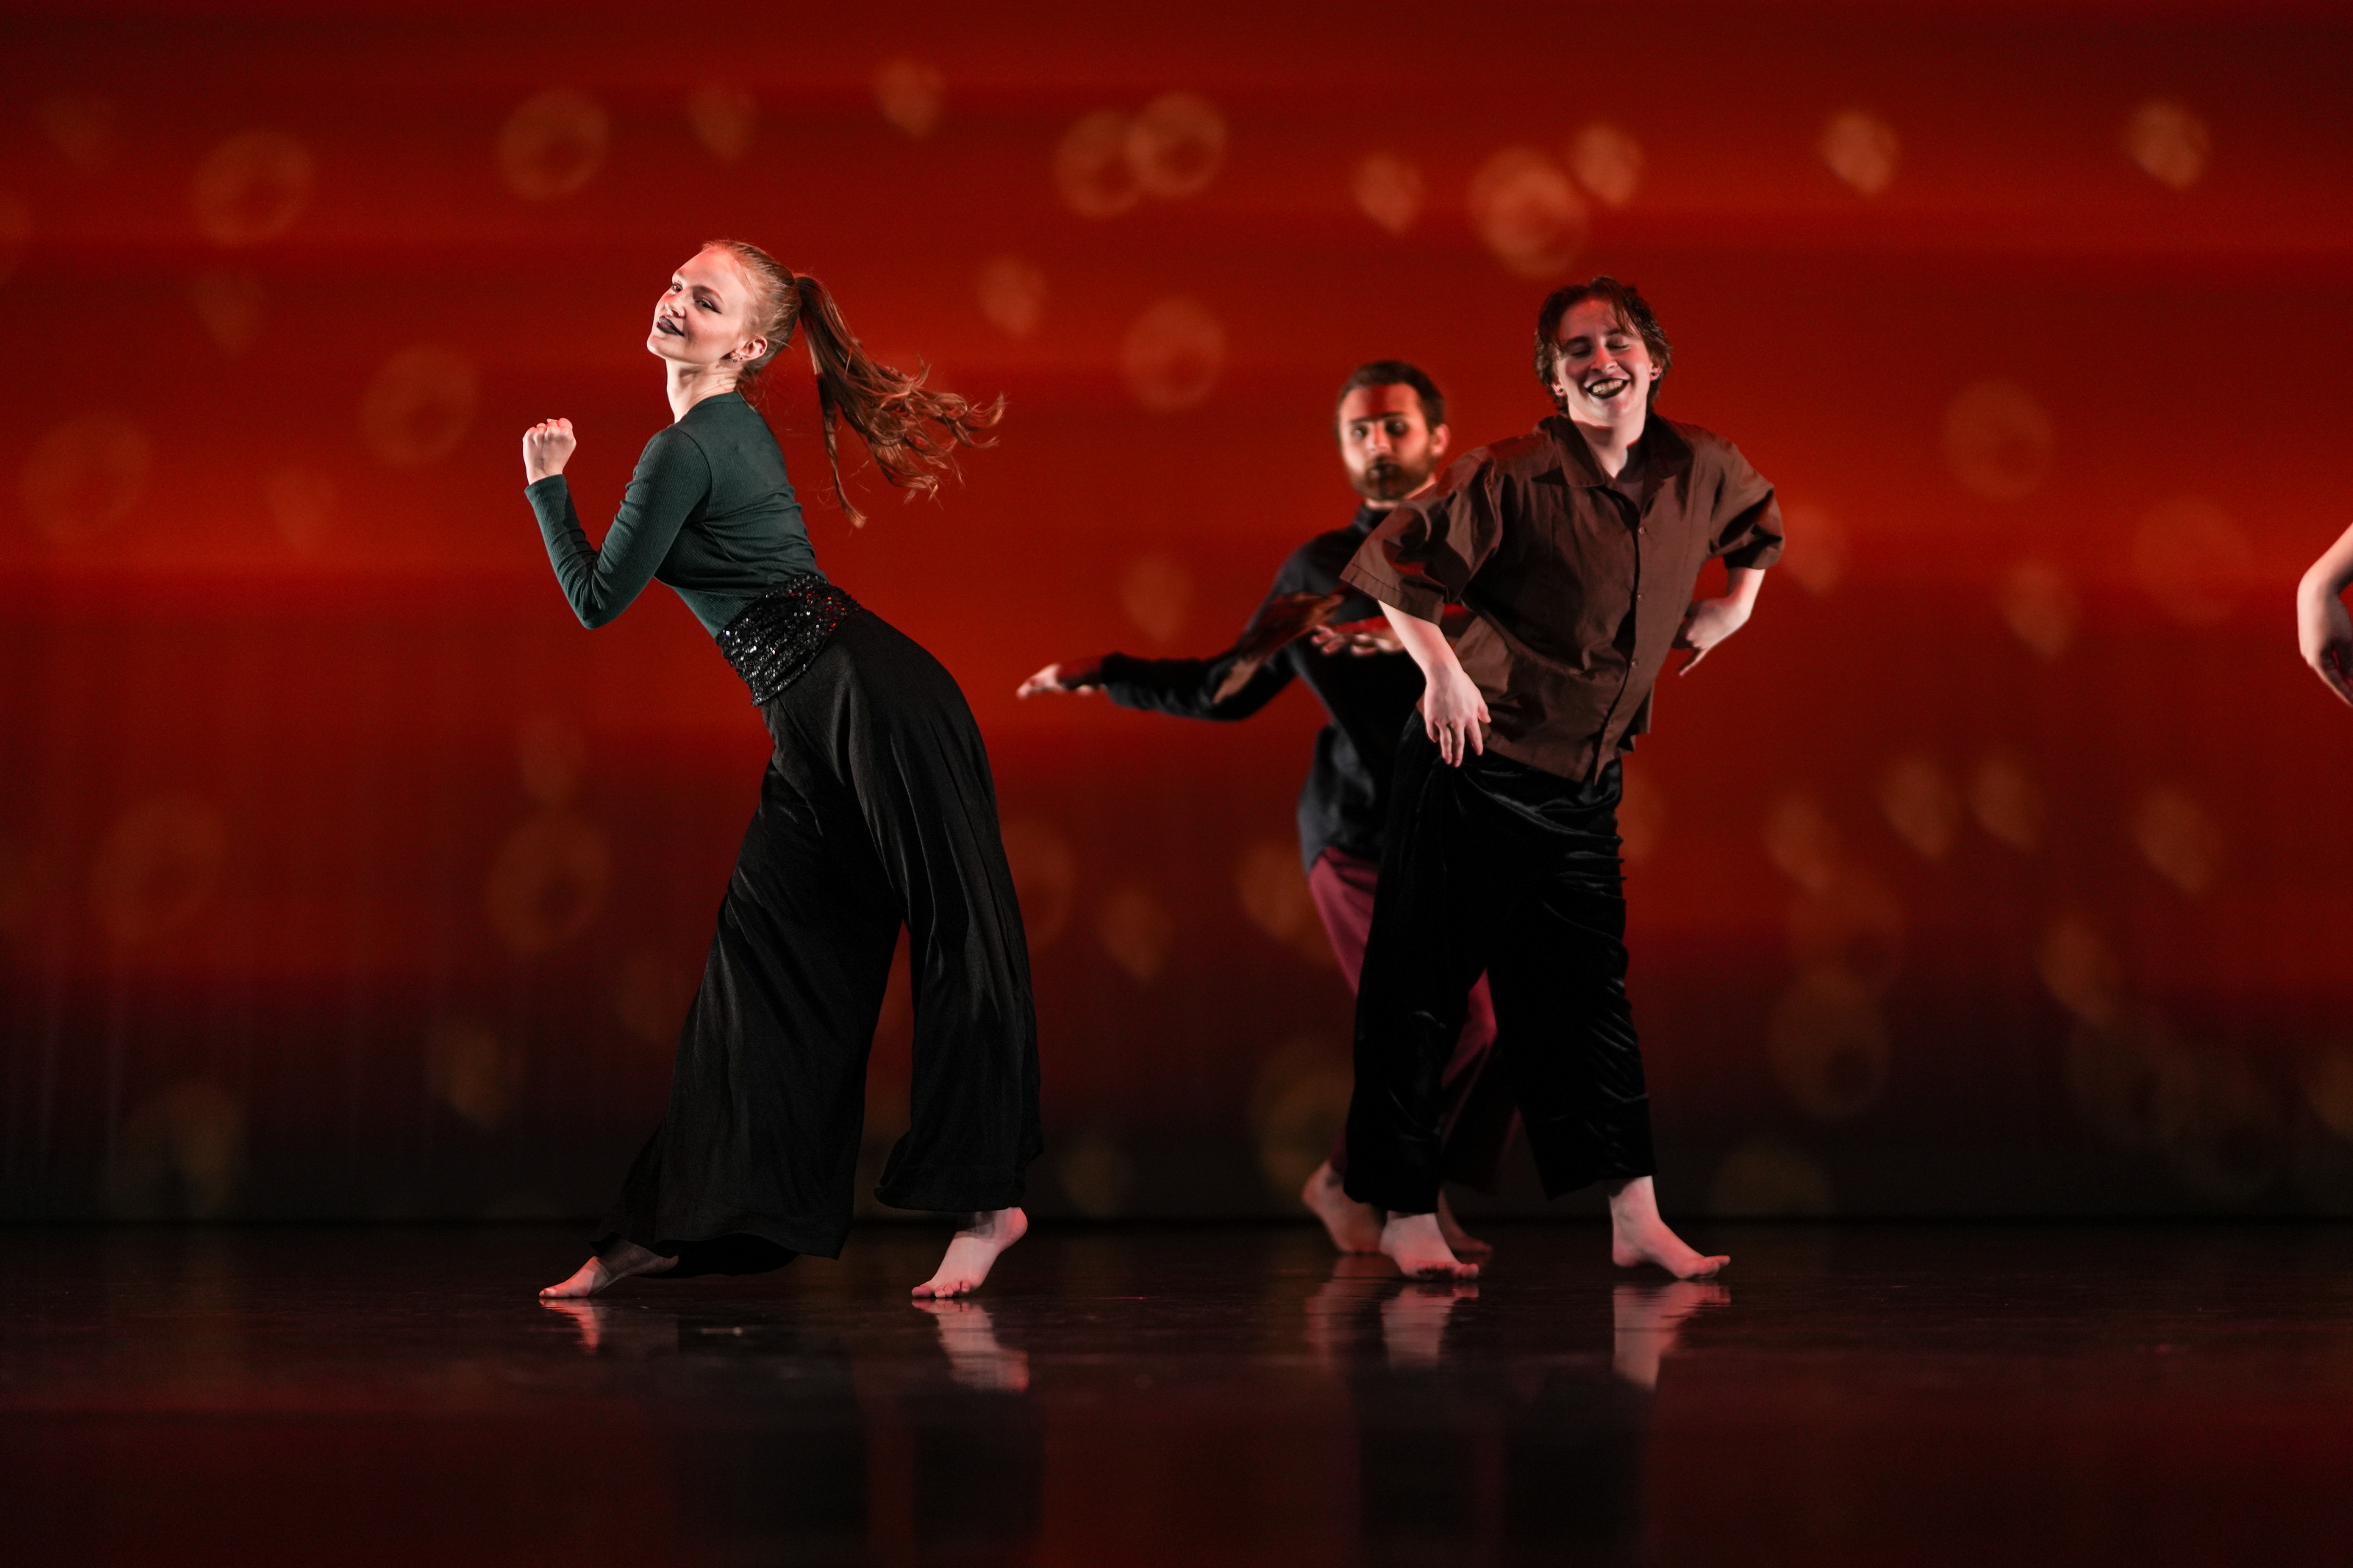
<point x="2001" y="866"/>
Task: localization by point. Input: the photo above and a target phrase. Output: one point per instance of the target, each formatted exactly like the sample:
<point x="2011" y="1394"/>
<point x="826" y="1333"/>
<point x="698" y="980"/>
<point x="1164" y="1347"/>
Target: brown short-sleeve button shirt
<point x="1576" y="591"/>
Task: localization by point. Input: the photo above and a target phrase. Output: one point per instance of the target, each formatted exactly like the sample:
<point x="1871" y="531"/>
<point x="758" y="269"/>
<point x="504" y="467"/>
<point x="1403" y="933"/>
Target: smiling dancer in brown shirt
<point x="1576" y="549"/>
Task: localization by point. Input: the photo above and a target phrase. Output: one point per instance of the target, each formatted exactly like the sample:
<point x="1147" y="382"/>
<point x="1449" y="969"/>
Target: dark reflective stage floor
<point x="1916" y="1395"/>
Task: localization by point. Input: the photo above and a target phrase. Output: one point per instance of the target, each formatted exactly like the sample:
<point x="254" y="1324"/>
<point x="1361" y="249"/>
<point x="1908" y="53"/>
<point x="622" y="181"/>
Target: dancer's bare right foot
<point x="595" y="1277"/>
<point x="1414" y="1243"/>
<point x="1637" y="1236"/>
<point x="1353" y="1227"/>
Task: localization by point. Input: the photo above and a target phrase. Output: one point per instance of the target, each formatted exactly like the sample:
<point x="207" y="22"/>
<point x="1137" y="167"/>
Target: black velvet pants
<point x="877" y="811"/>
<point x="1499" y="867"/>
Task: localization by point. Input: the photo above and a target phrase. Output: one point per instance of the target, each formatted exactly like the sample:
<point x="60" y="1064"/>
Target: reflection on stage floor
<point x="1850" y="1394"/>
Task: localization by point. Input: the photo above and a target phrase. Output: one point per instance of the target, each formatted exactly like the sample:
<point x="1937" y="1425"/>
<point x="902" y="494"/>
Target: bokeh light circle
<point x="2169" y="142"/>
<point x="1387" y="190"/>
<point x="1173" y="355"/>
<point x="2179" y="839"/>
<point x="1829" y="1043"/>
<point x="1137" y="930"/>
<point x="1815" y="551"/>
<point x="2194" y="560"/>
<point x="2039" y="603"/>
<point x="1606" y="161"/>
<point x="1854" y="925"/>
<point x="1999" y="440"/>
<point x="229" y="306"/>
<point x="304" y="504"/>
<point x="1862" y="150"/>
<point x="553" y="145"/>
<point x="85" y="476"/>
<point x="2007" y="801"/>
<point x="251" y="187"/>
<point x="83" y="128"/>
<point x="181" y="1151"/>
<point x="551" y="758"/>
<point x="419" y="406"/>
<point x="1642" y="817"/>
<point x="547" y="881"/>
<point x="651" y="992"/>
<point x="1091" y="168"/>
<point x="1177" y="145"/>
<point x="1802" y="841"/>
<point x="1922" y="804"/>
<point x="1298" y="1104"/>
<point x="472" y="1071"/>
<point x="724" y="119"/>
<point x="157" y="869"/>
<point x="912" y="95"/>
<point x="2081" y="970"/>
<point x="1012" y="294"/>
<point x="1095" y="1172"/>
<point x="1527" y="212"/>
<point x="1156" y="592"/>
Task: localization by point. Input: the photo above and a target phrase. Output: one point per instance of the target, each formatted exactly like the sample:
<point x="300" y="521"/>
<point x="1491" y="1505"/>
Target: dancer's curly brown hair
<point x="911" y="432"/>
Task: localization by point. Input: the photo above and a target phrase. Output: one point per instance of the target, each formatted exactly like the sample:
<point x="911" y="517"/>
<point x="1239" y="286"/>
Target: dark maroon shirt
<point x="1576" y="591"/>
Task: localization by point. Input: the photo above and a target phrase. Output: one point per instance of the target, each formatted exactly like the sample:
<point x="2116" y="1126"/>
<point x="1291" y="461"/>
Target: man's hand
<point x="1360" y="638"/>
<point x="2323" y="635"/>
<point x="546" y="446"/>
<point x="1451" y="712"/>
<point x="1075" y="675"/>
<point x="1707" y="622"/>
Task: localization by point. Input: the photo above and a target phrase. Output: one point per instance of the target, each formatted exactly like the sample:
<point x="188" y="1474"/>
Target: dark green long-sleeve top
<point x="708" y="512"/>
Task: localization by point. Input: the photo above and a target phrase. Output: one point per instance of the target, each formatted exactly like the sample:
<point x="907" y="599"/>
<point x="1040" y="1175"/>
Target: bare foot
<point x="971" y="1251"/>
<point x="1464" y="1243"/>
<point x="975" y="1358"/>
<point x="1637" y="1236"/>
<point x="1648" y="1320"/>
<point x="595" y="1276"/>
<point x="1412" y="1242"/>
<point x="1353" y="1227"/>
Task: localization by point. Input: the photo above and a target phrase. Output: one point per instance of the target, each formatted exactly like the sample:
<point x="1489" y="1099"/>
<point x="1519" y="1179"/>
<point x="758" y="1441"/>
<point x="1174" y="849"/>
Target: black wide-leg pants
<point x="877" y="811"/>
<point x="1502" y="868"/>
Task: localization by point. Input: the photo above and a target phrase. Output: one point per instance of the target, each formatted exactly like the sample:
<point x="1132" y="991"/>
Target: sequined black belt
<point x="779" y="635"/>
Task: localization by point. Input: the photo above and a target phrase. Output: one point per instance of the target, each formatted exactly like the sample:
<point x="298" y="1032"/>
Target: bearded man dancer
<point x="1391" y="423"/>
<point x="1576" y="549"/>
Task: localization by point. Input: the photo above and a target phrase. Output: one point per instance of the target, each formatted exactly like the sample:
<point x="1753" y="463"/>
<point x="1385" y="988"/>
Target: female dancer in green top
<point x="877" y="810"/>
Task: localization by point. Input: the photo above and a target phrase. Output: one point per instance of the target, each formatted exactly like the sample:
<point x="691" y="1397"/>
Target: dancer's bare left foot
<point x="1413" y="1242"/>
<point x="971" y="1252"/>
<point x="1353" y="1227"/>
<point x="1637" y="1236"/>
<point x="1464" y="1243"/>
<point x="595" y="1276"/>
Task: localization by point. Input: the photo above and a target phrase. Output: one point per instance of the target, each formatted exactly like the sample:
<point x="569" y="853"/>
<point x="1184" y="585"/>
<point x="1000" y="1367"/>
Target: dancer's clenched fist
<point x="546" y="446"/>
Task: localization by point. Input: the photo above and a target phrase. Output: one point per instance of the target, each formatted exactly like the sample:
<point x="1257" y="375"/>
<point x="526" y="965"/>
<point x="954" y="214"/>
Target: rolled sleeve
<point x="1747" y="529"/>
<point x="1422" y="556"/>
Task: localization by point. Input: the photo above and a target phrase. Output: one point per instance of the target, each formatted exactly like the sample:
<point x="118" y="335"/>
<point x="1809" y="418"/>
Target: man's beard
<point x="1387" y="480"/>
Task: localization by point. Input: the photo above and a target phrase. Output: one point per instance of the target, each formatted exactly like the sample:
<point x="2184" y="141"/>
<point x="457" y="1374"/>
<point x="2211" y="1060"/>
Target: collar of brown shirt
<point x="1576" y="591"/>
